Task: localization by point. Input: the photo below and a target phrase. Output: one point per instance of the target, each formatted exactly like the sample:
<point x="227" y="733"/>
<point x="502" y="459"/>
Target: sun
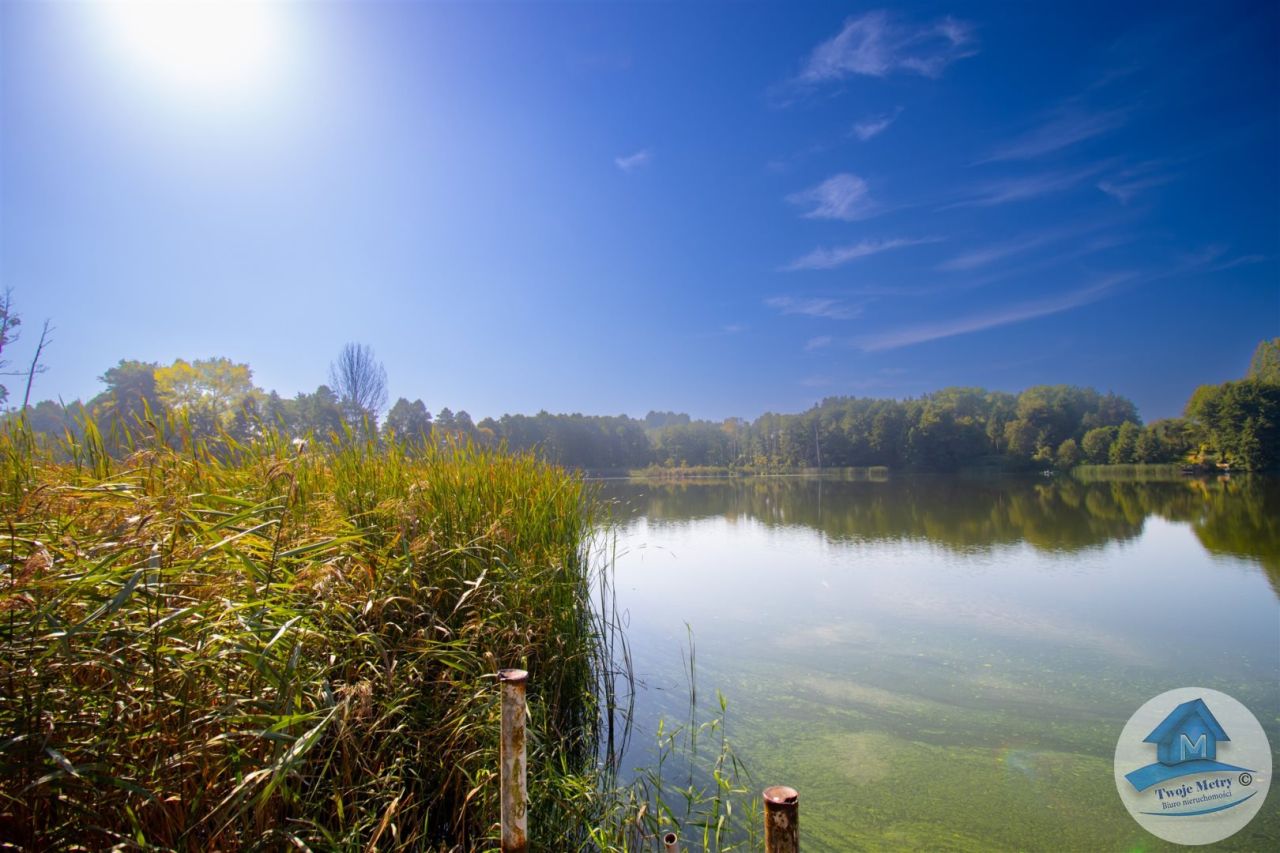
<point x="197" y="48"/>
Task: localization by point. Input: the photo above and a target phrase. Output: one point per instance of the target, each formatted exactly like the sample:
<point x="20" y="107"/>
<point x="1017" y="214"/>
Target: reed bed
<point x="223" y="645"/>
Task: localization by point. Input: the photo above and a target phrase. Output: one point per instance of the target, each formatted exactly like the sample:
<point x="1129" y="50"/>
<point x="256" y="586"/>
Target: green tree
<point x="1147" y="447"/>
<point x="658" y="420"/>
<point x="463" y="424"/>
<point x="1096" y="444"/>
<point x="1240" y="422"/>
<point x="1021" y="438"/>
<point x="49" y="418"/>
<point x="410" y="423"/>
<point x="1176" y="437"/>
<point x="445" y="423"/>
<point x="1068" y="455"/>
<point x="130" y="393"/>
<point x="1123" y="448"/>
<point x="1111" y="410"/>
<point x="694" y="444"/>
<point x="1265" y="365"/>
<point x="318" y="414"/>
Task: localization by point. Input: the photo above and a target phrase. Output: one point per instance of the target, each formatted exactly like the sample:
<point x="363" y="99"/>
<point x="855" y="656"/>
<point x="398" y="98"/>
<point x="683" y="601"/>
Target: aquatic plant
<point x="227" y="645"/>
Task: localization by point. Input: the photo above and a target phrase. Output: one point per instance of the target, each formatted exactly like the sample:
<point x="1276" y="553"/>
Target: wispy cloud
<point x="976" y="258"/>
<point x="1126" y="184"/>
<point x="1045" y="262"/>
<point x="1213" y="258"/>
<point x="876" y="45"/>
<point x="992" y="318"/>
<point x="815" y="306"/>
<point x="631" y="162"/>
<point x="817" y="343"/>
<point x="1065" y="127"/>
<point x="1024" y="187"/>
<point x="987" y="255"/>
<point x="824" y="258"/>
<point x="842" y="196"/>
<point x="1243" y="260"/>
<point x="873" y="126"/>
<point x="1124" y="192"/>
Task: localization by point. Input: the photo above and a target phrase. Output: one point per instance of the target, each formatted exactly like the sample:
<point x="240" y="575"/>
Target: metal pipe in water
<point x="781" y="819"/>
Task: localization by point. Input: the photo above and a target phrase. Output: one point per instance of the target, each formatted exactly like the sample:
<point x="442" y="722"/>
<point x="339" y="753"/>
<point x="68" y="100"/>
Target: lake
<point x="939" y="662"/>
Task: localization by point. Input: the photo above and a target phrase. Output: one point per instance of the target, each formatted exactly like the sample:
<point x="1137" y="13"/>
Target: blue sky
<point x="714" y="208"/>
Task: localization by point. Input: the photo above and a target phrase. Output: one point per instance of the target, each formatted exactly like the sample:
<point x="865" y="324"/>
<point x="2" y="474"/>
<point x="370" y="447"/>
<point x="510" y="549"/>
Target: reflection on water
<point x="939" y="662"/>
<point x="1237" y="517"/>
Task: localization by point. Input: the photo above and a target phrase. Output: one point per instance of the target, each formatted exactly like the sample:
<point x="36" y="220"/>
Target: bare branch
<point x="360" y="381"/>
<point x="9" y="321"/>
<point x="36" y="366"/>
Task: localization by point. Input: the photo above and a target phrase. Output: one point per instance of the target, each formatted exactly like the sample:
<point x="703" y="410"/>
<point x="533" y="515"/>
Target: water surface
<point x="946" y="663"/>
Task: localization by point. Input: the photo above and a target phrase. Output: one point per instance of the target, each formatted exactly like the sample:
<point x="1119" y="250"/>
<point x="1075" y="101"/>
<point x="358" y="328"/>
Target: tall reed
<point x="228" y="645"/>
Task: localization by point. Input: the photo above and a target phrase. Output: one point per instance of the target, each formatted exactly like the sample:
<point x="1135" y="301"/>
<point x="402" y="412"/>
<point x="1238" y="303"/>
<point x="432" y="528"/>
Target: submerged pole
<point x="671" y="843"/>
<point x="781" y="819"/>
<point x="515" y="826"/>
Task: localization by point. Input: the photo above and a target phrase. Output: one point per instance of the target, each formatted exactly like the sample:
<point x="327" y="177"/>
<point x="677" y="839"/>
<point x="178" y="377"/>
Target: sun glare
<point x="210" y="48"/>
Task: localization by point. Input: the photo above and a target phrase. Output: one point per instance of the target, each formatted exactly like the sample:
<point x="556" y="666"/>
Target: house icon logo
<point x="1186" y="743"/>
<point x="1191" y="732"/>
<point x="1212" y="766"/>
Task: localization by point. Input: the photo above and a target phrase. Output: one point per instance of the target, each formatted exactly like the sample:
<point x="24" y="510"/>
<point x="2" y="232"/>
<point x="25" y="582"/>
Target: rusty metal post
<point x="515" y="825"/>
<point x="781" y="819"/>
<point x="671" y="843"/>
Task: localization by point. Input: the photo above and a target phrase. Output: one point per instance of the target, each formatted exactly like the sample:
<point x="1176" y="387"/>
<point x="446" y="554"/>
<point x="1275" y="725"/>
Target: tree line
<point x="1234" y="424"/>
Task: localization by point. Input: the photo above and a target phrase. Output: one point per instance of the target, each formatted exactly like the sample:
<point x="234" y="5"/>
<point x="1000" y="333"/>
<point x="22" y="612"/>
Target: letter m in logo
<point x="1197" y="749"/>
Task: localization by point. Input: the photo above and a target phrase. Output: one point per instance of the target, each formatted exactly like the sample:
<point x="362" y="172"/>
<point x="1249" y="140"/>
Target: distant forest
<point x="1235" y="424"/>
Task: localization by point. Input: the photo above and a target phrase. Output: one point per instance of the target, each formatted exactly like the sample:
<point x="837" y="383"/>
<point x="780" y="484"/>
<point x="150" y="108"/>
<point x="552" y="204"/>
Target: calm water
<point x="946" y="663"/>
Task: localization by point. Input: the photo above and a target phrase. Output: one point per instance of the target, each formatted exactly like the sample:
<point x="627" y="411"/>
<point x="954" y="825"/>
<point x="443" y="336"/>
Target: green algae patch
<point x="873" y="790"/>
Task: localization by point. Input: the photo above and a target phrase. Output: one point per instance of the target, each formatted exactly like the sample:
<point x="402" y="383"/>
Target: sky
<point x="722" y="209"/>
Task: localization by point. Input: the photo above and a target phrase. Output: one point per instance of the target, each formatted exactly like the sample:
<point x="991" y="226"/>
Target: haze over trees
<point x="1236" y="423"/>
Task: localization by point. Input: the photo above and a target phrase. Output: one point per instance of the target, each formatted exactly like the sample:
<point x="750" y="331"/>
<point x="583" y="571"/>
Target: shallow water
<point x="947" y="663"/>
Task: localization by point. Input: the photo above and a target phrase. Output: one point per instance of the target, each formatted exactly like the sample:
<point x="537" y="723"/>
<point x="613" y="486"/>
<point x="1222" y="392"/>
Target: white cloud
<point x="631" y="162"/>
<point x="1126" y="184"/>
<point x="815" y="306"/>
<point x="843" y="196"/>
<point x="824" y="258"/>
<point x="1212" y="258"/>
<point x="1241" y="261"/>
<point x="1079" y="249"/>
<point x="990" y="254"/>
<point x="875" y="45"/>
<point x="873" y="126"/>
<point x="1024" y="187"/>
<point x="982" y="257"/>
<point x="817" y="343"/>
<point x="992" y="318"/>
<point x="1066" y="127"/>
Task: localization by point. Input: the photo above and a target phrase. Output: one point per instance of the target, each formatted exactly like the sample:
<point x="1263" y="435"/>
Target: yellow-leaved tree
<point x="208" y="391"/>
